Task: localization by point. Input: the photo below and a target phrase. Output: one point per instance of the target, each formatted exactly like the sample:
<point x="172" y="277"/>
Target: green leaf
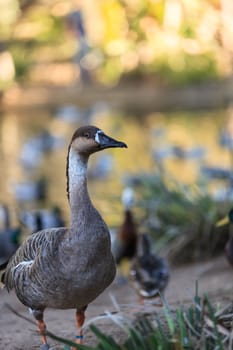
<point x="67" y="342"/>
<point x="213" y="319"/>
<point x="107" y="341"/>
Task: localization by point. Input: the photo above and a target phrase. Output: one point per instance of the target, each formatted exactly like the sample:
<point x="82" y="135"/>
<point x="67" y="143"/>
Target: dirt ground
<point x="214" y="277"/>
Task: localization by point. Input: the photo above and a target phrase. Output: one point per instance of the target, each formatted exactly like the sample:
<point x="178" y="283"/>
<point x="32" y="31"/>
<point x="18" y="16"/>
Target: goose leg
<point x="42" y="328"/>
<point x="80" y="319"/>
<point x="39" y="316"/>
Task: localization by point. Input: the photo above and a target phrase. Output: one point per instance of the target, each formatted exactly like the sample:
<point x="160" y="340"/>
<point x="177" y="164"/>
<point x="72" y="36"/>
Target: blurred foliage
<point x="186" y="68"/>
<point x="21" y="59"/>
<point x="171" y="41"/>
<point x="199" y="326"/>
<point x="178" y="41"/>
<point x="181" y="218"/>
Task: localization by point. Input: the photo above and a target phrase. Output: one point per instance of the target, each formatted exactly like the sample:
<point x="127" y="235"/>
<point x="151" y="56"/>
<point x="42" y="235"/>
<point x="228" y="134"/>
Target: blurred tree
<point x="177" y="41"/>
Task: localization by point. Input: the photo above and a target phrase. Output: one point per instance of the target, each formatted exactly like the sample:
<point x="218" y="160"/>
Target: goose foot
<point x="44" y="347"/>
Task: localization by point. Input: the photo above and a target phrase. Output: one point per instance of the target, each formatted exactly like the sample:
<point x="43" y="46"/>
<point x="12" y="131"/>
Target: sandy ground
<point x="214" y="277"/>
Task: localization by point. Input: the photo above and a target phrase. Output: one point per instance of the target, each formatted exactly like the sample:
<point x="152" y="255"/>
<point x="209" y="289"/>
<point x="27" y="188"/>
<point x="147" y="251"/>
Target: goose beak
<point x="223" y="222"/>
<point x="105" y="141"/>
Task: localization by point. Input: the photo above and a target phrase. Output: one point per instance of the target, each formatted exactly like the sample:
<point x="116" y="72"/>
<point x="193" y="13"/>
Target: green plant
<point x="199" y="326"/>
<point x="181" y="218"/>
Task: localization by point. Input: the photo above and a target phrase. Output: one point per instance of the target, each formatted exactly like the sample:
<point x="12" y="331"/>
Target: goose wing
<point x="31" y="251"/>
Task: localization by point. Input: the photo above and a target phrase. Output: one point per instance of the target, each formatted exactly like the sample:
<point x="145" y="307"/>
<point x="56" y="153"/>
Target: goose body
<point x="77" y="273"/>
<point x="67" y="267"/>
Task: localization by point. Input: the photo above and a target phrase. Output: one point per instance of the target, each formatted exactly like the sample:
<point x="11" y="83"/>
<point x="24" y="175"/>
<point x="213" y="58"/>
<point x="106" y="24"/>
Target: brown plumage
<point x="126" y="240"/>
<point x="67" y="267"/>
<point x="125" y="243"/>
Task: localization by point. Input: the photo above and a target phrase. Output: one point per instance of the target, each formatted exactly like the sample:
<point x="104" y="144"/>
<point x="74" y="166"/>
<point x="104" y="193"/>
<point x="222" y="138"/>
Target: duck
<point x="34" y="148"/>
<point x="229" y="250"/>
<point x="226" y="138"/>
<point x="10" y="237"/>
<point x="149" y="273"/>
<point x="31" y="190"/>
<point x="125" y="243"/>
<point x="178" y="152"/>
<point x="70" y="114"/>
<point x="39" y="219"/>
<point x="102" y="167"/>
<point x="67" y="267"/>
<point x="229" y="244"/>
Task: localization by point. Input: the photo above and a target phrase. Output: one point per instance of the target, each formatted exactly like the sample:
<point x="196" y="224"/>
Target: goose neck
<point x="77" y="185"/>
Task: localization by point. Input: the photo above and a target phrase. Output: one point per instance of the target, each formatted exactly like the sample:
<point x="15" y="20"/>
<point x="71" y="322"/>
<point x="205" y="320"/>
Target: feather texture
<point x="67" y="267"/>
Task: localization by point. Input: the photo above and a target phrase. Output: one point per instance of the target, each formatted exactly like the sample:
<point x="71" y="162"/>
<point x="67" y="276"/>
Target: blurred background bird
<point x="10" y="237"/>
<point x="229" y="245"/>
<point x="31" y="190"/>
<point x="39" y="219"/>
<point x="149" y="273"/>
<point x="125" y="241"/>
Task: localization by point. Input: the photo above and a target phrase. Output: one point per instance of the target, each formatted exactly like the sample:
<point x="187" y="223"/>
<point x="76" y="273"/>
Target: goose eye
<point x="87" y="135"/>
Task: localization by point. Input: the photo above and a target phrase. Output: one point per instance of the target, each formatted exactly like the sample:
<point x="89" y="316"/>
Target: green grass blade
<point x="213" y="319"/>
<point x="68" y="342"/>
<point x="107" y="341"/>
<point x="182" y="329"/>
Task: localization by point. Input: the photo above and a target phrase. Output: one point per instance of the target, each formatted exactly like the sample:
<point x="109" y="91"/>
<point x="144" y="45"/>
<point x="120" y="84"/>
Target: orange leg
<point x="39" y="316"/>
<point x="42" y="328"/>
<point x="80" y="319"/>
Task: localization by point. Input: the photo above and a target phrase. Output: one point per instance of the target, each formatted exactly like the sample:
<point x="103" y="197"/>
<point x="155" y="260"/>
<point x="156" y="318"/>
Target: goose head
<point x="90" y="139"/>
<point x="85" y="141"/>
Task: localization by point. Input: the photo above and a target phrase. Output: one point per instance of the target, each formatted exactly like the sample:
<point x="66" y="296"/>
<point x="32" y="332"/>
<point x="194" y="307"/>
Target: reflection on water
<point x="180" y="142"/>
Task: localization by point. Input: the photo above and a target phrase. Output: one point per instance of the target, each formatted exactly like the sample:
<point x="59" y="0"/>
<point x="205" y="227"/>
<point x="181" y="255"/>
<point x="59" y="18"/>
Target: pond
<point x="33" y="146"/>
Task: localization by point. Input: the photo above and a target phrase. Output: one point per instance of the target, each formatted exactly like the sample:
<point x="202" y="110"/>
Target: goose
<point x="149" y="273"/>
<point x="67" y="267"/>
<point x="9" y="236"/>
<point x="229" y="245"/>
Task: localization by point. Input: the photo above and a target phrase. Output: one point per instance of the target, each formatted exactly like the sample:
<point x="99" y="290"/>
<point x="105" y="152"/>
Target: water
<point x="146" y="136"/>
